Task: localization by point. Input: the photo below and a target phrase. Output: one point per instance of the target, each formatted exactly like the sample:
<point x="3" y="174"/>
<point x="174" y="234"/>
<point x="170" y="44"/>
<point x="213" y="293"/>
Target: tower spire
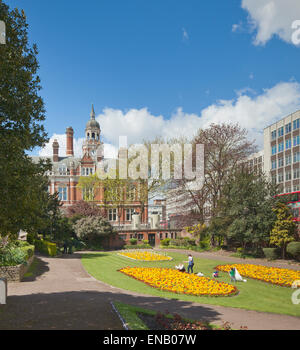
<point x="92" y="112"/>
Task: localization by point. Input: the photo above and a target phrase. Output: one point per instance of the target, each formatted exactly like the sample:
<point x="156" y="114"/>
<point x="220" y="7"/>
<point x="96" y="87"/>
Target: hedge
<point x="45" y="247"/>
<point x="293" y="248"/>
<point x="138" y="246"/>
<point x="271" y="253"/>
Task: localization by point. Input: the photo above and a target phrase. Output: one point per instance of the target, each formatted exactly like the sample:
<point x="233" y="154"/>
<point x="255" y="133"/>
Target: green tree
<point x="93" y="230"/>
<point x="21" y="116"/>
<point x="245" y="209"/>
<point x="284" y="228"/>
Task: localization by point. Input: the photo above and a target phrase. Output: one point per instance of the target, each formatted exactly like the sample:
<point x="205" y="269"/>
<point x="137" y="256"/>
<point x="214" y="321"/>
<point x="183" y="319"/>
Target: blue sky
<point x="163" y="63"/>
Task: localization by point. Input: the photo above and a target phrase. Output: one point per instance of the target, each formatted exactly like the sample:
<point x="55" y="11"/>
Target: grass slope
<point x="253" y="295"/>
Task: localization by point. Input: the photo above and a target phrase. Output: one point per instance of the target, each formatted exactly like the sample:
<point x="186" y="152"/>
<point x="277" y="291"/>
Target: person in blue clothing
<point x="190" y="263"/>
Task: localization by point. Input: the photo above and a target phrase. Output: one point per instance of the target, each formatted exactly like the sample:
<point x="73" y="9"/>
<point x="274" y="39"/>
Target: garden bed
<point x="174" y="281"/>
<point x="17" y="272"/>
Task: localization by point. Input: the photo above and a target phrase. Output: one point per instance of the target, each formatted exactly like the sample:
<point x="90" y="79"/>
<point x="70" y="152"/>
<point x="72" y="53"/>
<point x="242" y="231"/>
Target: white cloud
<point x="237" y="27"/>
<point x="253" y="111"/>
<point x="110" y="151"/>
<point x="61" y="138"/>
<point x="185" y="35"/>
<point x="272" y="17"/>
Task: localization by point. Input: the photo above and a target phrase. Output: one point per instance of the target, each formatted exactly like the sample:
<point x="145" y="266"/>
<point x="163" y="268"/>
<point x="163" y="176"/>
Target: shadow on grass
<point x="85" y="310"/>
<point x="36" y="269"/>
<point x="93" y="255"/>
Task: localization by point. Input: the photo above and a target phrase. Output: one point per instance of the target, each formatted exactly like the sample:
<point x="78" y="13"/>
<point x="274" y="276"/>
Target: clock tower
<point x="92" y="137"/>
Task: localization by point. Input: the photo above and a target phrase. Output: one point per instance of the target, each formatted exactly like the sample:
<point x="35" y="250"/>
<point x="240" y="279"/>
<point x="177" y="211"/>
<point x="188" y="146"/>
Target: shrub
<point x="31" y="237"/>
<point x="271" y="253"/>
<point x="45" y="247"/>
<point x="133" y="241"/>
<point x="93" y="230"/>
<point x="12" y="255"/>
<point x="293" y="249"/>
<point x="138" y="246"/>
<point x="165" y="242"/>
<point x="204" y="244"/>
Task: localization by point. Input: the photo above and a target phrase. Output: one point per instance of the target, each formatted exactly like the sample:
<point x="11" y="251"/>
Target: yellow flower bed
<point x="274" y="275"/>
<point x="172" y="280"/>
<point x="145" y="256"/>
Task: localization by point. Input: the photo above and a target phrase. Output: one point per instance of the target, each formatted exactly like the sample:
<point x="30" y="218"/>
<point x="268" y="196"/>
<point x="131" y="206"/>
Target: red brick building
<point x="130" y="219"/>
<point x="67" y="170"/>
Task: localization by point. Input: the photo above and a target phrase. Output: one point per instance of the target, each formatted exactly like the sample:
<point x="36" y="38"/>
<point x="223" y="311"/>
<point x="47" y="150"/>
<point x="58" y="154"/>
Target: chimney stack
<point x="55" y="147"/>
<point x="69" y="134"/>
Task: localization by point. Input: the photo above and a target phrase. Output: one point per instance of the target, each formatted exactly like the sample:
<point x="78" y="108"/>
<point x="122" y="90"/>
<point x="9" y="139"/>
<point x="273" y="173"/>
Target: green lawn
<point x="253" y="295"/>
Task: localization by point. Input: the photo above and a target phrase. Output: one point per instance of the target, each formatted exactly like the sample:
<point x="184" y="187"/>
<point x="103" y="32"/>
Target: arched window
<point x="93" y="135"/>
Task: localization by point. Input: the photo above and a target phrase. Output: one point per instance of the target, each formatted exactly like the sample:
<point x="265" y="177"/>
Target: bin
<point x="3" y="290"/>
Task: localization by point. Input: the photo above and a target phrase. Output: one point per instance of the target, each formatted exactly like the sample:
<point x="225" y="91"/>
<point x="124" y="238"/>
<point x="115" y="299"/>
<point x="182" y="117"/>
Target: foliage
<point x="45" y="247"/>
<point x="165" y="242"/>
<point x="133" y="241"/>
<point x="82" y="209"/>
<point x="15" y="253"/>
<point x="22" y="188"/>
<point x="293" y="248"/>
<point x="284" y="228"/>
<point x="245" y="210"/>
<point x="225" y="147"/>
<point x="138" y="246"/>
<point x="93" y="229"/>
<point x="271" y="253"/>
<point x="198" y="230"/>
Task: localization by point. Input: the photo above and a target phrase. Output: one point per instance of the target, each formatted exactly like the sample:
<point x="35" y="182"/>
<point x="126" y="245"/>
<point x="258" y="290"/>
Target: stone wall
<point x="15" y="273"/>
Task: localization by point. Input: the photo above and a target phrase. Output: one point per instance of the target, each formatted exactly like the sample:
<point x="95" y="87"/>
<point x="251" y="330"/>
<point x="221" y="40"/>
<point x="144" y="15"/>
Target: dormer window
<point x="63" y="170"/>
<point x="87" y="171"/>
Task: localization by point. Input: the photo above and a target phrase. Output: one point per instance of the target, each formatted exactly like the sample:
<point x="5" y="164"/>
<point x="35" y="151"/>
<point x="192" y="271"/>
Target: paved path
<point x="64" y="296"/>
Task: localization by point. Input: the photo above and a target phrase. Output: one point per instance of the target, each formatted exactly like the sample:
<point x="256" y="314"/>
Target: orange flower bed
<point x="145" y="256"/>
<point x="274" y="275"/>
<point x="172" y="280"/>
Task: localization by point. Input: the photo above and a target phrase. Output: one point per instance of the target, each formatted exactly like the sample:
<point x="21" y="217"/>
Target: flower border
<point x="231" y="294"/>
<point x="128" y="257"/>
<point x="257" y="279"/>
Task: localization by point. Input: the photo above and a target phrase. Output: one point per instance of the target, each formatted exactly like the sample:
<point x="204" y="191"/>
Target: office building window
<point x="274" y="150"/>
<point x="280" y="162"/>
<point x="288" y="159"/>
<point x="280" y="147"/>
<point x="296" y="140"/>
<point x="273" y="135"/>
<point x="274" y="165"/>
<point x="288" y="128"/>
<point x="296" y="173"/>
<point x="288" y="175"/>
<point x="288" y="144"/>
<point x="296" y="188"/>
<point x="280" y="131"/>
<point x="280" y="177"/>
<point x="296" y="124"/>
<point x="296" y="157"/>
<point x="274" y="179"/>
